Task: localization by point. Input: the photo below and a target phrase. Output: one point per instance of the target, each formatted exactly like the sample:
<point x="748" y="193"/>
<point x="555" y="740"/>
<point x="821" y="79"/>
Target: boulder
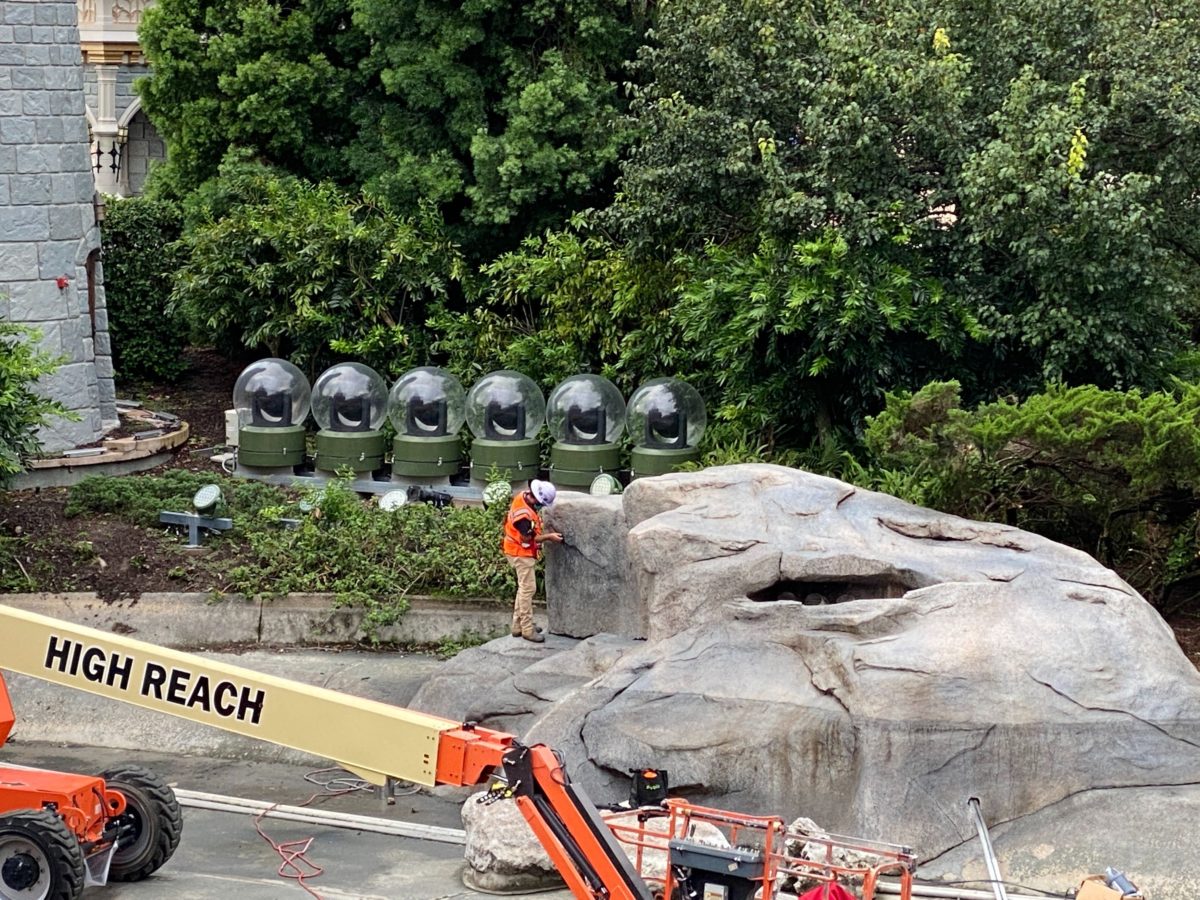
<point x="502" y="854"/>
<point x="926" y="659"/>
<point x="590" y="575"/>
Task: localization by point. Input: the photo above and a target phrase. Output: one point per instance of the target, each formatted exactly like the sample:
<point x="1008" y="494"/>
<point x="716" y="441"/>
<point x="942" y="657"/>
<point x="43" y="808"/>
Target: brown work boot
<point x="537" y="628"/>
<point x="535" y="637"/>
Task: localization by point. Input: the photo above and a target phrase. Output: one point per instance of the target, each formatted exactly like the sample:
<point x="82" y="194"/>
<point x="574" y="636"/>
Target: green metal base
<point x="515" y="460"/>
<point x="361" y="451"/>
<point x="576" y="465"/>
<point x="426" y="457"/>
<point x="647" y="461"/>
<point x="271" y="448"/>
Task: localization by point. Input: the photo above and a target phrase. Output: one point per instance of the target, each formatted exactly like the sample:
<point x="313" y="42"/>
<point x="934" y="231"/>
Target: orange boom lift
<point x="59" y="832"/>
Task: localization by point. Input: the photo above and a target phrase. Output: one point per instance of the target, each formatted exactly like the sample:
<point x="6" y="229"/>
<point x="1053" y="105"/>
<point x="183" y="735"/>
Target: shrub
<point x="1114" y="473"/>
<point x="140" y="262"/>
<point x="373" y="558"/>
<point x="22" y="410"/>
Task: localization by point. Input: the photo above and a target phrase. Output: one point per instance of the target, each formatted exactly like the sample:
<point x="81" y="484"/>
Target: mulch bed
<point x="100" y="553"/>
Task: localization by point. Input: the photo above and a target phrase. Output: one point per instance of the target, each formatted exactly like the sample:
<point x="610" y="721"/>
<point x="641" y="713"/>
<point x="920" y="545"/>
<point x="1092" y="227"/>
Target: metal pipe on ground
<point x="950" y="893"/>
<point x="989" y="855"/>
<point x="220" y="803"/>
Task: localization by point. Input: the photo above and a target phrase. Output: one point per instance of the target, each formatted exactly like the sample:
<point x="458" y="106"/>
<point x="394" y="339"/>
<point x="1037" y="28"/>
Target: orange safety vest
<point x="514" y="543"/>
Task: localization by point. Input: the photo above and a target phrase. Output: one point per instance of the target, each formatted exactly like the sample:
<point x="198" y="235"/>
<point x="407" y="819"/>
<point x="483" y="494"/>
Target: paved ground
<point x="222" y="856"/>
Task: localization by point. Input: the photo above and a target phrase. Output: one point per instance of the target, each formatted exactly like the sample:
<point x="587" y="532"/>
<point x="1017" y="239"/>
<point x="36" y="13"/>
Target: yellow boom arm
<point x="374" y="740"/>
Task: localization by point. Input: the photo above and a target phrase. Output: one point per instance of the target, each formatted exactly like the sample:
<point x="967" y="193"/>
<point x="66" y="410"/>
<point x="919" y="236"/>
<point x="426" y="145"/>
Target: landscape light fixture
<point x="505" y="412"/>
<point x="272" y="398"/>
<point x="427" y="406"/>
<point x="666" y="419"/>
<point x="586" y="416"/>
<point x="206" y="499"/>
<point x="393" y="500"/>
<point x="204" y="504"/>
<point x="604" y="485"/>
<point x="349" y="401"/>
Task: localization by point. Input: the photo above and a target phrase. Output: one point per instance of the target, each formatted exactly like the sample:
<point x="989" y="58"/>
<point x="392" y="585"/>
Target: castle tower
<point x="50" y="273"/>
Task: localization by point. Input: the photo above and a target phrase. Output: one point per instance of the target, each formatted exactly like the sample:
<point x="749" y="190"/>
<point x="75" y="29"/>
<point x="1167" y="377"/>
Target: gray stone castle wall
<point x="47" y="226"/>
<point x="143" y="149"/>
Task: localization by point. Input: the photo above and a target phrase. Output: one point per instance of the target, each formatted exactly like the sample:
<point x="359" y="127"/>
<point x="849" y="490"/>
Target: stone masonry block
<point x="39" y="159"/>
<point x="101" y="319"/>
<point x="66" y="223"/>
<point x="6" y="34"/>
<point x="24" y="223"/>
<point x="30" y="190"/>
<point x="10" y="103"/>
<point x="67" y="103"/>
<point x="11" y="54"/>
<point x="101" y="344"/>
<point x="50" y="130"/>
<point x="43" y="34"/>
<point x="8" y="159"/>
<point x="57" y="258"/>
<point x="35" y="103"/>
<point x="75" y="131"/>
<point x="35" y="54"/>
<point x="36" y="301"/>
<point x="19" y="13"/>
<point x="69" y="38"/>
<point x="72" y="340"/>
<point x="23" y="34"/>
<point x="51" y="339"/>
<point x="45" y="14"/>
<point x="3" y="190"/>
<point x="69" y="383"/>
<point x="104" y="368"/>
<point x="63" y="78"/>
<point x="18" y="261"/>
<point x="68" y="15"/>
<point x="18" y="130"/>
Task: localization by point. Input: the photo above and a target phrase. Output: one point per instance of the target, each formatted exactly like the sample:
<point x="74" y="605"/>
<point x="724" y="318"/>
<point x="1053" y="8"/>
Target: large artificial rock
<point x="923" y="660"/>
<point x="590" y="575"/>
<point x="502" y="854"/>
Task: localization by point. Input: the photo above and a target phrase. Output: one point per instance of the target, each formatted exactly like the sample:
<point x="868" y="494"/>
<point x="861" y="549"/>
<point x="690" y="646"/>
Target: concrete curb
<point x="189" y="621"/>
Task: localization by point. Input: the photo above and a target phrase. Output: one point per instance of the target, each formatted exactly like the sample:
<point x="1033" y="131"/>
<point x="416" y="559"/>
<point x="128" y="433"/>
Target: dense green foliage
<point x="500" y="115"/>
<point x="278" y="265"/>
<point x="140" y="262"/>
<point x="1040" y="161"/>
<point x="373" y="558"/>
<point x="339" y="543"/>
<point x="22" y="410"/>
<point x="1114" y="473"/>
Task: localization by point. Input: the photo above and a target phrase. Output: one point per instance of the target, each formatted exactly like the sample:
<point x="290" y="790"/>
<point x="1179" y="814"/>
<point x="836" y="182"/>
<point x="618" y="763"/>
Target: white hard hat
<point x="543" y="491"/>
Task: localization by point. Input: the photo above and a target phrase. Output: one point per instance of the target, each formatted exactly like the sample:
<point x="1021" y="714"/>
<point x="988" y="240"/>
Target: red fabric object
<point x="828" y="892"/>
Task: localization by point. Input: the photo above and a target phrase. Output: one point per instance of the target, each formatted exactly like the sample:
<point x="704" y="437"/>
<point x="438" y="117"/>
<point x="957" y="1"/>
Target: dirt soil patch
<point x="49" y="551"/>
<point x="91" y="552"/>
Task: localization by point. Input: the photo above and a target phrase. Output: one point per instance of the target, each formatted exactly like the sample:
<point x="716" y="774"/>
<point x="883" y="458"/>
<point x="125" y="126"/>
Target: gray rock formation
<point x="950" y="659"/>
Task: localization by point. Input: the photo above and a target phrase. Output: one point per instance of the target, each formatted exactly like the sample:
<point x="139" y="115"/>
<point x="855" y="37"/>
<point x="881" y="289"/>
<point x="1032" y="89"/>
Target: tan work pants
<point x="524" y="566"/>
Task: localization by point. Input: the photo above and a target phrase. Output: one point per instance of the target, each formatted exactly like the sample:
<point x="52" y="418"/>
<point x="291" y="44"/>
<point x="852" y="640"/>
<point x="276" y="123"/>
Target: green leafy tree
<point x="305" y="271"/>
<point x="140" y="262"/>
<point x="280" y="81"/>
<point x="507" y="113"/>
<point x="1041" y="159"/>
<point x="22" y="410"/>
<point x="507" y="117"/>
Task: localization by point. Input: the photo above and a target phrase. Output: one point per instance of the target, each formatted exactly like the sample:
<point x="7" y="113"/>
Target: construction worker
<point x="523" y="538"/>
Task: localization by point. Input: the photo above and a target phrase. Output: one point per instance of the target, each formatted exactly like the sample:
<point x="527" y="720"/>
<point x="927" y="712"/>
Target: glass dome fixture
<point x="427" y="406"/>
<point x="505" y="412"/>
<point x="586" y="415"/>
<point x="666" y="422"/>
<point x="349" y="400"/>
<point x="272" y="399"/>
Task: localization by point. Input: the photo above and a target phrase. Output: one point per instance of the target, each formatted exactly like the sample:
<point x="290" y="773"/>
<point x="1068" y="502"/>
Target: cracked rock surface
<point x="814" y="649"/>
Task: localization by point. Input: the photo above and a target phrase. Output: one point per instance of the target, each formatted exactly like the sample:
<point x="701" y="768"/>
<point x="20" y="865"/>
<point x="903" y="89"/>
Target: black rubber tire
<point x="52" y="850"/>
<point x="157" y="818"/>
